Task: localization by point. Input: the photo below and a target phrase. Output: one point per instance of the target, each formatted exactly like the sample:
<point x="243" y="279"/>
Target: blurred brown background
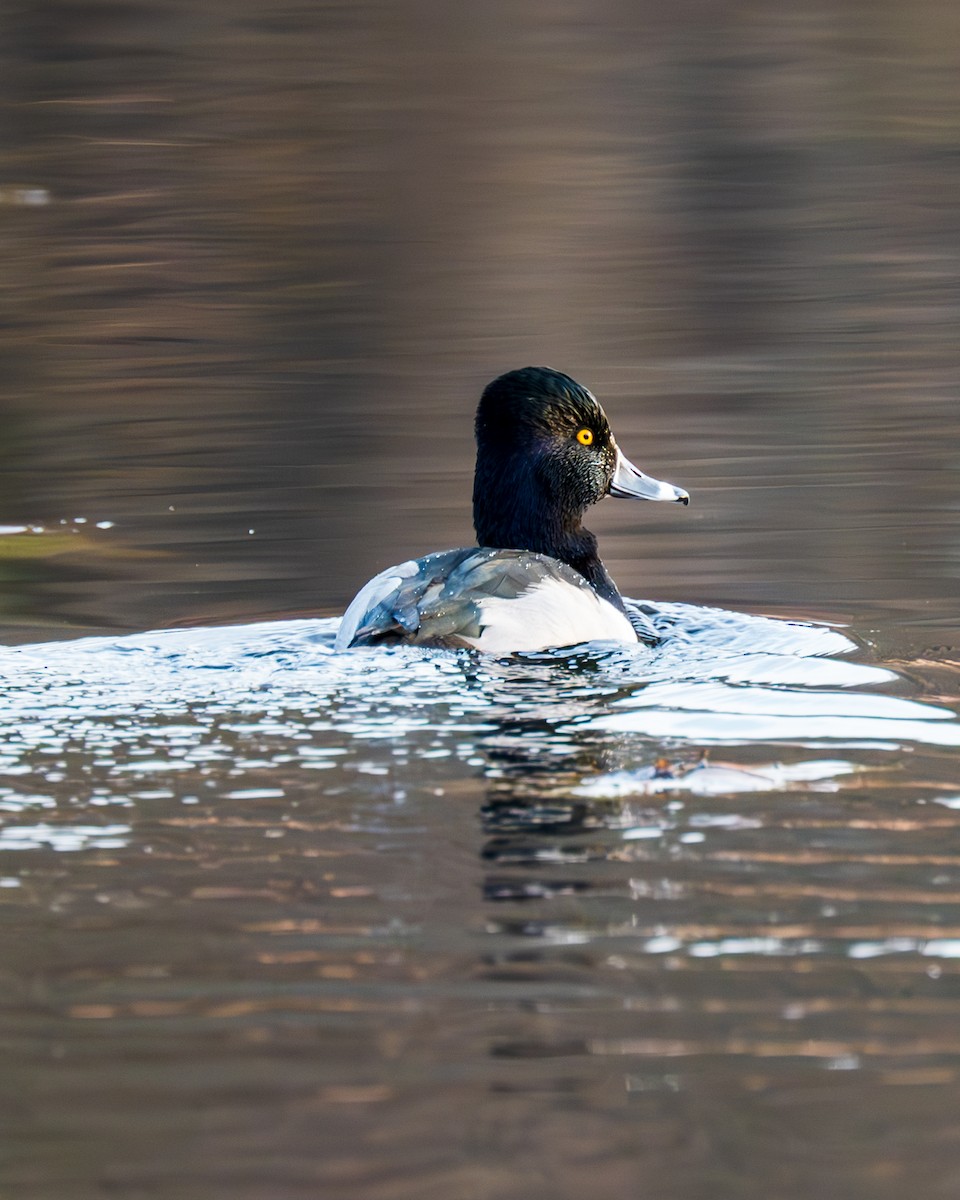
<point x="258" y="262"/>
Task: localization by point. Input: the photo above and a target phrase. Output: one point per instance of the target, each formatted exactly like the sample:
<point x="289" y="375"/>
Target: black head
<point x="545" y="453"/>
<point x="548" y="422"/>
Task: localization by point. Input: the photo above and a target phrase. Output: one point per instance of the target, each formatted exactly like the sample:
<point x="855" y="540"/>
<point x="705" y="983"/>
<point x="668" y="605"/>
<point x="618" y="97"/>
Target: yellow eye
<point x="585" y="437"/>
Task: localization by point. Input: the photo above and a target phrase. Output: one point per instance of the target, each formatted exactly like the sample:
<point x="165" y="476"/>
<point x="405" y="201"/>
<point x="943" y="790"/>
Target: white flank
<point x="553" y="612"/>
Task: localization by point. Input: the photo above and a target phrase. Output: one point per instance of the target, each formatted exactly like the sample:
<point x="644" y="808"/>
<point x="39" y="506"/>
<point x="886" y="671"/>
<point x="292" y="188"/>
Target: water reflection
<point x="378" y="888"/>
<point x="278" y="923"/>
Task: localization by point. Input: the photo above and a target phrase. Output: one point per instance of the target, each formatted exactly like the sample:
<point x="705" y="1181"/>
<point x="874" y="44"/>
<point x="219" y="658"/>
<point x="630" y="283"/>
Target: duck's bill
<point x="630" y="482"/>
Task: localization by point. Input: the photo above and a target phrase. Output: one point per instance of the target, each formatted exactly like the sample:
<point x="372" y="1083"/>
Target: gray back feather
<point x="439" y="605"/>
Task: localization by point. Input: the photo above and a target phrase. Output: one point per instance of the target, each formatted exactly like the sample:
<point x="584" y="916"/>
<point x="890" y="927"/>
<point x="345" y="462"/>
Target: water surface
<point x="680" y="923"/>
<point x="421" y="923"/>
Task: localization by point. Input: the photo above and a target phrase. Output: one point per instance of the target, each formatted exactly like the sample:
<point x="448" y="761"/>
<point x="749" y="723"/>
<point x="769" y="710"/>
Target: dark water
<point x="278" y="923"/>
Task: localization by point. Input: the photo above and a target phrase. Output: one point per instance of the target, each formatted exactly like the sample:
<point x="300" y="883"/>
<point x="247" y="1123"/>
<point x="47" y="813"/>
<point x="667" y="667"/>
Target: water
<point x="680" y="923"/>
<point x="406" y="922"/>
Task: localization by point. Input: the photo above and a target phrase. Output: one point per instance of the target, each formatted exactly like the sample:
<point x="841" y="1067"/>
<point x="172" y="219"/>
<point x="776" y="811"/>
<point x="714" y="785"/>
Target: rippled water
<point x="465" y="926"/>
<point x="669" y="924"/>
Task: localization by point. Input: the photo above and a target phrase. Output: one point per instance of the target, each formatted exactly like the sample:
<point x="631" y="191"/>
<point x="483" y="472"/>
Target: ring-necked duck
<point x="545" y="453"/>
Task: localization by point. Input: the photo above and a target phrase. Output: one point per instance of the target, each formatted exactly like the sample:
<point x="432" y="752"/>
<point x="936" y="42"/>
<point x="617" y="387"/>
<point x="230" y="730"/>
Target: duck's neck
<point x="581" y="554"/>
<point x="512" y="512"/>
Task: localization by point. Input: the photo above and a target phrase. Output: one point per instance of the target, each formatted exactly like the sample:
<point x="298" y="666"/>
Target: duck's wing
<point x="424" y="601"/>
<point x="499" y="601"/>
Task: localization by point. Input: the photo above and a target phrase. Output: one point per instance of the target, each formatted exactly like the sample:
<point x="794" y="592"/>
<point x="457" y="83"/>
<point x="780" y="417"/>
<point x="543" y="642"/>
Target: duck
<point x="535" y="580"/>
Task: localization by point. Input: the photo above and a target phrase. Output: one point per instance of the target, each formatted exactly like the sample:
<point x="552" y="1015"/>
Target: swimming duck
<point x="545" y="453"/>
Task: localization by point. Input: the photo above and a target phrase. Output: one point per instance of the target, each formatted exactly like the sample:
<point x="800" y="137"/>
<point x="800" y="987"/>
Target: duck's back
<point x="498" y="601"/>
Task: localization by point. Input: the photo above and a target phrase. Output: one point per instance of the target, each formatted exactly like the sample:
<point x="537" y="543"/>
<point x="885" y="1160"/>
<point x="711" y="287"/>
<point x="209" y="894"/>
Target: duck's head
<point x="545" y="453"/>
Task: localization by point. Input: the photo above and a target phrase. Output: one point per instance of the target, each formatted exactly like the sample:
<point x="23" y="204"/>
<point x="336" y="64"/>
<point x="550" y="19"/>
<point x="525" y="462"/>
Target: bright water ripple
<point x="245" y="875"/>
